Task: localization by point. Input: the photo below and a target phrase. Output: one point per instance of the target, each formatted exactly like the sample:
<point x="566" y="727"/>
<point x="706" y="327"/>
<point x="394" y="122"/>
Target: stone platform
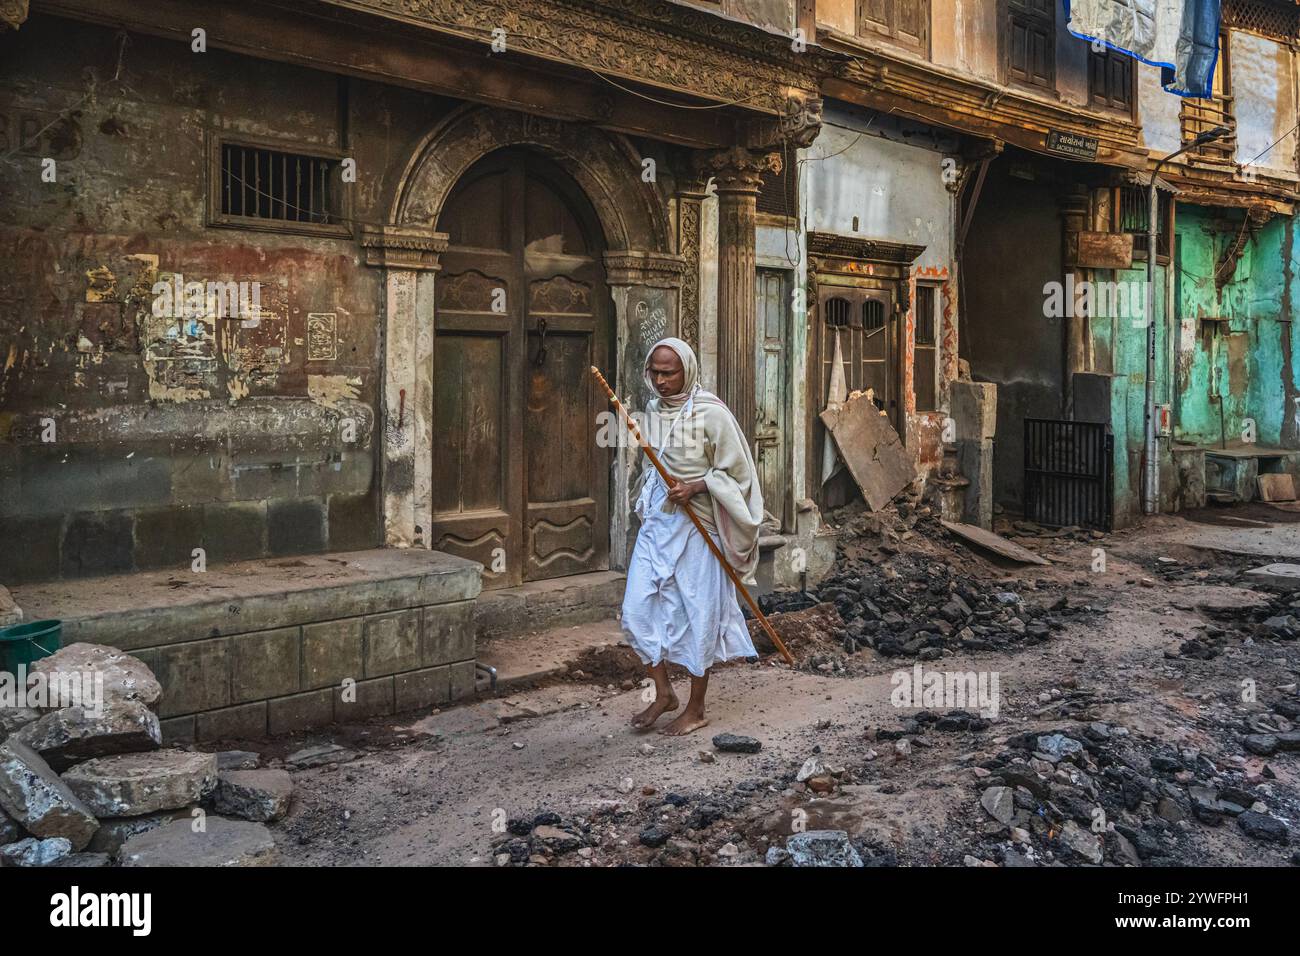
<point x="274" y="646"/>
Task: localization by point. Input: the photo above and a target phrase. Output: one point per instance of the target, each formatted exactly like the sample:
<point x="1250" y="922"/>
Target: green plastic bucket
<point x="27" y="643"/>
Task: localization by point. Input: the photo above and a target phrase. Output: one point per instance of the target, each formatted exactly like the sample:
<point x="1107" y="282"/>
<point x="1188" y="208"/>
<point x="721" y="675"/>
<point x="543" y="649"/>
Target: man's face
<point x="666" y="372"/>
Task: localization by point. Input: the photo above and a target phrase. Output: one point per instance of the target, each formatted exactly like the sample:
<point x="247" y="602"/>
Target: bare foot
<point x="652" y="713"/>
<point x="685" y="724"/>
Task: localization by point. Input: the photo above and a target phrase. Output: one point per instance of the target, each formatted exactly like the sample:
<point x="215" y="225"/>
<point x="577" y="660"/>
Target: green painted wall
<point x="1249" y="359"/>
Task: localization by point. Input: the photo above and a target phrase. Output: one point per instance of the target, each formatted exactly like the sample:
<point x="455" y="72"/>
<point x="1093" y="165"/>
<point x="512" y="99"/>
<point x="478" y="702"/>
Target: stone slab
<point x="1280" y="575"/>
<point x="132" y="785"/>
<point x="221" y="842"/>
<point x="65" y="737"/>
<point x="158" y="607"/>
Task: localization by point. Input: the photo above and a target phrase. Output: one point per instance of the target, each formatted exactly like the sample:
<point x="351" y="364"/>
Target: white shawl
<point x="696" y="436"/>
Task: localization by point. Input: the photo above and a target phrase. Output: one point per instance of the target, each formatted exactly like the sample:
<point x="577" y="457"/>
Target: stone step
<point x="524" y="659"/>
<point x="558" y="602"/>
<point x="276" y="646"/>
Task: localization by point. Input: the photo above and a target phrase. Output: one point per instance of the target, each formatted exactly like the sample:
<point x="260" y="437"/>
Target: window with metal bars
<point x="777" y="195"/>
<point x="1132" y="218"/>
<point x="925" y="352"/>
<point x="276" y="188"/>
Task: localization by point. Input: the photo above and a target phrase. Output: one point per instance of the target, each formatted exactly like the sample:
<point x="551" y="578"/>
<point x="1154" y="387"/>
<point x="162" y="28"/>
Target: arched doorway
<point x="522" y="311"/>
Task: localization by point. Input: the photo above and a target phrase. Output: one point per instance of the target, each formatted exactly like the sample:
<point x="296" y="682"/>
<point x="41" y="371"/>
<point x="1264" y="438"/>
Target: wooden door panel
<point x="475" y="508"/>
<point x="566" y="473"/>
<point x="521" y="315"/>
<point x="769" y="425"/>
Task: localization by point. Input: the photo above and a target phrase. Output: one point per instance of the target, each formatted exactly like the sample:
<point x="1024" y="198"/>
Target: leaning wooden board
<point x="994" y="542"/>
<point x="872" y="450"/>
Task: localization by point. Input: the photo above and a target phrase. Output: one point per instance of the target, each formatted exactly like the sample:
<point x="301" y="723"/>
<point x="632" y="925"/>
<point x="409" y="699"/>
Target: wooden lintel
<point x="983" y="124"/>
<point x="349" y="46"/>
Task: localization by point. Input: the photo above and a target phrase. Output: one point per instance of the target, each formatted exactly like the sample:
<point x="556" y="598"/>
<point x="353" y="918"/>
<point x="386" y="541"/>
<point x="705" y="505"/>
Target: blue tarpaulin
<point x="1179" y="36"/>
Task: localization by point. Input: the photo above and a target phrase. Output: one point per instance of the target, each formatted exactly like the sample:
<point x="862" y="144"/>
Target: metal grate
<point x="1068" y="473"/>
<point x="259" y="183"/>
<point x="1133" y="218"/>
<point x="1277" y="21"/>
<point x="776" y="195"/>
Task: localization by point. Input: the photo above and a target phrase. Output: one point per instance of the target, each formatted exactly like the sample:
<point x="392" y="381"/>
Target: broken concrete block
<point x="1082" y="842"/>
<point x="13" y="719"/>
<point x="222" y="842"/>
<point x="257" y="795"/>
<point x="113" y="832"/>
<point x="1280" y="575"/>
<point x="131" y="785"/>
<point x="822" y="848"/>
<point x="68" y="736"/>
<point x="38" y="800"/>
<point x="999" y="803"/>
<point x="318" y="756"/>
<point x="124" y="677"/>
<point x="33" y="852"/>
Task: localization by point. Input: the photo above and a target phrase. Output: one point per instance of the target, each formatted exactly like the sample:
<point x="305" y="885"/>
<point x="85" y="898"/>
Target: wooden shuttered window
<point x="1031" y="42"/>
<point x="906" y="22"/>
<point x="1110" y="80"/>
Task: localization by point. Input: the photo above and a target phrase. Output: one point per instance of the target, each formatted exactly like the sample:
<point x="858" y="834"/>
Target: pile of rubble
<point x="1091" y="794"/>
<point x="86" y="782"/>
<point x="918" y="608"/>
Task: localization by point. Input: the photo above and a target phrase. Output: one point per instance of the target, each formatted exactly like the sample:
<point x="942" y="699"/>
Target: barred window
<point x="261" y="187"/>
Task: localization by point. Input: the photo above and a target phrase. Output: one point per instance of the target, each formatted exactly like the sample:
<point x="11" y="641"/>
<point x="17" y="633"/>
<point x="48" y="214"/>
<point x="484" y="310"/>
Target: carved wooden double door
<point x="519" y="483"/>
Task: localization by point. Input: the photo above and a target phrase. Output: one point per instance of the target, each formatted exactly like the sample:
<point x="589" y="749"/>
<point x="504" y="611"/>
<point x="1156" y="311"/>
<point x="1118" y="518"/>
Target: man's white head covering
<point x="690" y="366"/>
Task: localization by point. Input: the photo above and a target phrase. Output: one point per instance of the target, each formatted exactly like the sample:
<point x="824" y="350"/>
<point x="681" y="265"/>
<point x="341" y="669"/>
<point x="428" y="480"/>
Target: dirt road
<point x="444" y="789"/>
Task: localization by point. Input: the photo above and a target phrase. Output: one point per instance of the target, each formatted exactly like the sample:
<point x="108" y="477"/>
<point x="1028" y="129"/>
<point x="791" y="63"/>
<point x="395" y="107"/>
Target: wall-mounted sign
<point x="1099" y="250"/>
<point x="1071" y="144"/>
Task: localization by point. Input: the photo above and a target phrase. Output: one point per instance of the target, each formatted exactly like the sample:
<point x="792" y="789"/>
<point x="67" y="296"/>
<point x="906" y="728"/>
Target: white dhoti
<point x="679" y="605"/>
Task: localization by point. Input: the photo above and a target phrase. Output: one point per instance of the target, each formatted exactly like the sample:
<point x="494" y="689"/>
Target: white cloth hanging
<point x="836" y="395"/>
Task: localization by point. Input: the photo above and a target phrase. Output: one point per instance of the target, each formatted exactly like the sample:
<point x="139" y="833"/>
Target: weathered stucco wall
<point x="242" y="436"/>
<point x="887" y="176"/>
<point x="1249" y="358"/>
<point x="964" y="37"/>
<point x="1161" y="131"/>
<point x="884" y="180"/>
<point x="1263" y="74"/>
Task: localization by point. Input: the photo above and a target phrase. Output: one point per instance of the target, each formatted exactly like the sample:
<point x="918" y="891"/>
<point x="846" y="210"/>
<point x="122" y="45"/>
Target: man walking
<point x="679" y="606"/>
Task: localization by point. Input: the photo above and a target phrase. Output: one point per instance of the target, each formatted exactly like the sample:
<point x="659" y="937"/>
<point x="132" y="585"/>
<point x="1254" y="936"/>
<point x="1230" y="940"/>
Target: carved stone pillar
<point x="736" y="173"/>
<point x="409" y="257"/>
<point x="689" y="224"/>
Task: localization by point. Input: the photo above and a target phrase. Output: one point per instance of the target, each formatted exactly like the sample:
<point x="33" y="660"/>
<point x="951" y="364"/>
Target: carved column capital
<point x="657" y="269"/>
<point x="403" y="247"/>
<point x="735" y="170"/>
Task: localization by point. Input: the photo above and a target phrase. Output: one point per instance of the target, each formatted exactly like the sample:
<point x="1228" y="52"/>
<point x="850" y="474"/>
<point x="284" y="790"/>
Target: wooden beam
<point x="355" y="46"/>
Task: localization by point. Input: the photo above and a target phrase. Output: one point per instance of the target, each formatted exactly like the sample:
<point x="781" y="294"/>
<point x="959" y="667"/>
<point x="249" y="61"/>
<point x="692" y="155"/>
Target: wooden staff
<point x="672" y="482"/>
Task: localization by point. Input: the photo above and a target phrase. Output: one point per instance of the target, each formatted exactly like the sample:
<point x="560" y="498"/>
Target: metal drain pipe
<point x="491" y="673"/>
